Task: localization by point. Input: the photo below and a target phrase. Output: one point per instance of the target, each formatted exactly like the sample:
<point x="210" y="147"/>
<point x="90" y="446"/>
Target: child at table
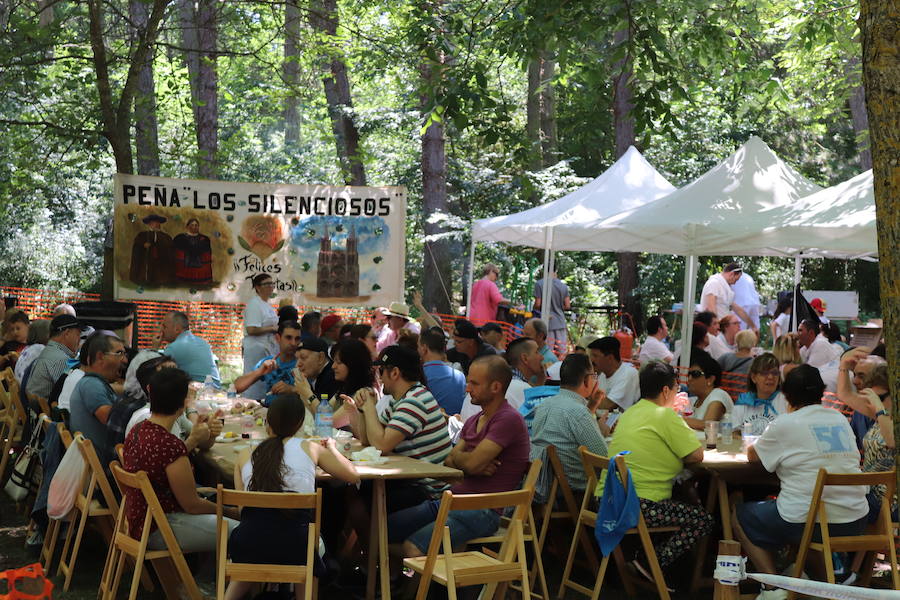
<point x="281" y="463"/>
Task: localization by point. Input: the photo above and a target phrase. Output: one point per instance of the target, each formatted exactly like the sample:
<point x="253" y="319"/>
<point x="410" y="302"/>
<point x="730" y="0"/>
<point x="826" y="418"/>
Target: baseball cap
<point x="399" y="356"/>
<point x="63" y="322"/>
<point x="313" y="345"/>
<point x="328" y="321"/>
<point x="465" y="329"/>
<point x="488" y="327"/>
<point x="818" y="304"/>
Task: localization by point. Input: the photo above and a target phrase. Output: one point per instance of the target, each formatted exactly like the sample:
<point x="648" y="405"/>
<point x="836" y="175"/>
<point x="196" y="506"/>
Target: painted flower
<point x="262" y="235"/>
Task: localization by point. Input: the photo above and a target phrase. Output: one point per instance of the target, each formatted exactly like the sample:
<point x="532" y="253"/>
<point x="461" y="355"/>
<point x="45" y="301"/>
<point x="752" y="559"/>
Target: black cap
<point x="313" y="345"/>
<point x="153" y="217"/>
<point x="733" y="267"/>
<point x="399" y="356"/>
<point x="465" y="329"/>
<point x="63" y="322"/>
<point x="491" y="327"/>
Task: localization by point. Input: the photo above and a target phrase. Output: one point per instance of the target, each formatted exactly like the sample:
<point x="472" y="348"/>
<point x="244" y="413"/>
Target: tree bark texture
<point x="291" y="72"/>
<point x="146" y="130"/>
<point x="623" y="125"/>
<point x="879" y="24"/>
<point x="324" y="18"/>
<point x="858" y="116"/>
<point x="541" y="111"/>
<point x="437" y="279"/>
<point x="200" y="32"/>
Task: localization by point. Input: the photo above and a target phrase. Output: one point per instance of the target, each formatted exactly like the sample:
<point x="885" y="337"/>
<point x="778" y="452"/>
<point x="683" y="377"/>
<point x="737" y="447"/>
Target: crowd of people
<point x="469" y="397"/>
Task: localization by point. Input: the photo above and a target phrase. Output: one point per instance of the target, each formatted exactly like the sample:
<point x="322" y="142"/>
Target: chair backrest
<point x="284" y="500"/>
<point x="96" y="474"/>
<point x="885" y="478"/>
<point x="64" y="434"/>
<point x="9" y="389"/>
<point x="594" y="465"/>
<point x="559" y="473"/>
<point x="120" y="452"/>
<point x="155" y="514"/>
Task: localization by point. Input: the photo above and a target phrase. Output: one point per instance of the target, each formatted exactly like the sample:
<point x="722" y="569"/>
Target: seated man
<point x="276" y="372"/>
<point x="446" y="383"/>
<point x="51" y="363"/>
<point x="716" y="346"/>
<point x="617" y="379"/>
<point x="660" y="444"/>
<point x="815" y="349"/>
<point x="411" y="425"/>
<point x="314" y="377"/>
<point x="493" y="452"/>
<point x="492" y="334"/>
<point x="92" y="398"/>
<point x="536" y="329"/>
<point x="567" y="420"/>
<point x="468" y="345"/>
<point x="192" y="354"/>
<point x="653" y="347"/>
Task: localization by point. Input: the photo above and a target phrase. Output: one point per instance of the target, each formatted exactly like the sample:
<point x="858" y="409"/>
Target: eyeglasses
<point x="774" y="373"/>
<point x="116" y="353"/>
<point x="696" y="373"/>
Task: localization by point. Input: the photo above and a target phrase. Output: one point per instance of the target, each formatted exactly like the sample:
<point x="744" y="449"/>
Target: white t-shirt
<point x="796" y="446"/>
<point x="718" y="287"/>
<point x="181" y="428"/>
<point x="742" y="413"/>
<point x="299" y="469"/>
<point x="717" y="346"/>
<point x="820" y="352"/>
<point x="716" y="395"/>
<point x="259" y="313"/>
<point x="68" y="387"/>
<point x="653" y="349"/>
<point x="553" y="371"/>
<point x="623" y="387"/>
<point x="782" y="323"/>
<point x="746" y="296"/>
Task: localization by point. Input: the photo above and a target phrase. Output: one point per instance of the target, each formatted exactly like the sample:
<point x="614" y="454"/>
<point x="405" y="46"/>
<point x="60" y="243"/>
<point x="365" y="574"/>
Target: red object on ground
<point x="26" y="583"/>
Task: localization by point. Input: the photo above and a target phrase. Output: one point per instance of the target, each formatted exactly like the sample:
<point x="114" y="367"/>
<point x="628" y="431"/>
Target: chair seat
<point x="852" y="543"/>
<point x="261" y="573"/>
<point x="468" y="567"/>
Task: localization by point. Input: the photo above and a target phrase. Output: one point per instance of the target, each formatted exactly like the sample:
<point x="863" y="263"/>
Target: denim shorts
<point x="763" y="524"/>
<point x="416" y="524"/>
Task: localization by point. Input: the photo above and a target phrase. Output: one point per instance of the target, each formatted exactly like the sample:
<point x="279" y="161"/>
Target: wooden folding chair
<point x="87" y="507"/>
<point x="460" y="569"/>
<point x="594" y="465"/>
<point x="124" y="546"/>
<point x="880" y="538"/>
<point x="48" y="549"/>
<point x="528" y="529"/>
<point x="13" y="418"/>
<point x="559" y="487"/>
<point x="36" y="400"/>
<point x="265" y="573"/>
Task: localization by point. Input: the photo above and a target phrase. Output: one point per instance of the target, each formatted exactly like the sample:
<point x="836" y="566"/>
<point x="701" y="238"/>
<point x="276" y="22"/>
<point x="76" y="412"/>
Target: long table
<point x="396" y="467"/>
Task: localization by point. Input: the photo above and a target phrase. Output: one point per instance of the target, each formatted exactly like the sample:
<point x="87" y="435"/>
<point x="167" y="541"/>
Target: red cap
<point x="818" y="305"/>
<point x="329" y="321"/>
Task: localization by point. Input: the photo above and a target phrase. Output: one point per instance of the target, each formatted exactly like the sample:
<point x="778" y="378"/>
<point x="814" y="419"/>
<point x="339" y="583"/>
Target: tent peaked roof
<point x="629" y="183"/>
<point x="722" y="212"/>
<point x="837" y="222"/>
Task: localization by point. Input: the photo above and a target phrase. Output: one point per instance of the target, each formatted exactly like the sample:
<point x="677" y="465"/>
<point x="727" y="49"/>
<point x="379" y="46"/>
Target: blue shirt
<point x="193" y="356"/>
<point x="90" y="394"/>
<point x="446" y="384"/>
<point x="283" y="372"/>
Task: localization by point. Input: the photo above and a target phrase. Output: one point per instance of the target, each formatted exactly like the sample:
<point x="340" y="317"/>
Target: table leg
<point x="696" y="580"/>
<point x="724" y="509"/>
<point x="373" y="542"/>
<point x="378" y="544"/>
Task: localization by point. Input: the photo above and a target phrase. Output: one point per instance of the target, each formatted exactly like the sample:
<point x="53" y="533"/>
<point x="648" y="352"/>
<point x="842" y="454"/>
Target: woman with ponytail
<point x="281" y="463"/>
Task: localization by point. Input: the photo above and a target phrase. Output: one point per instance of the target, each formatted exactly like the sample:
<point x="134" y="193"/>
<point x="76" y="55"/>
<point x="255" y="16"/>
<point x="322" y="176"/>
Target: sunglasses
<point x="769" y="373"/>
<point x="694" y="373"/>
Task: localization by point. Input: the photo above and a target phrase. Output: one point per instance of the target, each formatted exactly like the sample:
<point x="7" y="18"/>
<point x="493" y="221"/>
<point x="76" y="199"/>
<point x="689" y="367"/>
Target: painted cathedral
<point x="337" y="274"/>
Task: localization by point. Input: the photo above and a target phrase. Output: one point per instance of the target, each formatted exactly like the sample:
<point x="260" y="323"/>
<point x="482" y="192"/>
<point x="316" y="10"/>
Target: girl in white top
<point x="260" y="325"/>
<point x="781" y="319"/>
<point x="282" y="463"/>
<point x="704" y="378"/>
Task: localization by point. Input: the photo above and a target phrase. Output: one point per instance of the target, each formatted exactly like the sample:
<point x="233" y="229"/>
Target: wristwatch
<point x="882" y="413"/>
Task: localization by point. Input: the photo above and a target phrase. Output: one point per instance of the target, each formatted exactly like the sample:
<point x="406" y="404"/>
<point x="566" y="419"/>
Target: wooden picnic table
<point x="396" y="467"/>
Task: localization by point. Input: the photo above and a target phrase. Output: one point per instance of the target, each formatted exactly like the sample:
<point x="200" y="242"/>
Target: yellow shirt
<point x="657" y="439"/>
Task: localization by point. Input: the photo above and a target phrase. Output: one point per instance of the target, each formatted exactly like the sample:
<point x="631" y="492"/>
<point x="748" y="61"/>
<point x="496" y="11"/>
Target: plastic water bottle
<point x="324" y="419"/>
<point x="232" y="392"/>
<point x="726" y="429"/>
<point x="207" y="395"/>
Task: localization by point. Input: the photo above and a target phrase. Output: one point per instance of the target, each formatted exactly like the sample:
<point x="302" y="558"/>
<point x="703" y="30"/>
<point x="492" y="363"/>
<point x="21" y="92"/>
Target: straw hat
<point x="398" y="309"/>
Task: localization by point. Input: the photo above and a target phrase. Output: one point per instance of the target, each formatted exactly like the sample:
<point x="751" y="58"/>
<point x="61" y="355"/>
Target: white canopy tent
<point x="561" y="225"/>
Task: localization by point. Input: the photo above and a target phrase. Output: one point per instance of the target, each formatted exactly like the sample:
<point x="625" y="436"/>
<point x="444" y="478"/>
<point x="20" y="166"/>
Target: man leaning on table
<point x="276" y="372"/>
<point x="493" y="452"/>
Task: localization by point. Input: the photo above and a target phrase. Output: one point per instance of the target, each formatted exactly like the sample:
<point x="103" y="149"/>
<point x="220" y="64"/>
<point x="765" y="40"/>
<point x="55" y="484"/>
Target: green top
<point x="657" y="439"/>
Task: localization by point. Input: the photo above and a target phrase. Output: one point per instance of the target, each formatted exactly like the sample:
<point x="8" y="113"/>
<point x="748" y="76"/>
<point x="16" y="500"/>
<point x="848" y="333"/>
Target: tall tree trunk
<point x="291" y="72"/>
<point x="623" y="125"/>
<point x="858" y="116"/>
<point x="324" y="18"/>
<point x="146" y="131"/>
<point x="541" y="111"/>
<point x="879" y="24"/>
<point x="200" y="33"/>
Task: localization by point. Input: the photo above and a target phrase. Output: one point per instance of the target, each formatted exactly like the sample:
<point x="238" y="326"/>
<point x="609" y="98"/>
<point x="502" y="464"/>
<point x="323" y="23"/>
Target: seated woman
<point x="739" y="360"/>
<point x="704" y="379"/>
<point x="762" y="401"/>
<point x="660" y="445"/>
<point x="364" y="333"/>
<point x="150" y="447"/>
<point x="282" y="463"/>
<point x="787" y="351"/>
<point x="795" y="446"/>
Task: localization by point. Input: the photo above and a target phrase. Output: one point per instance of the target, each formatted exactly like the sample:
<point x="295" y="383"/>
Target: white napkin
<point x="370" y="454"/>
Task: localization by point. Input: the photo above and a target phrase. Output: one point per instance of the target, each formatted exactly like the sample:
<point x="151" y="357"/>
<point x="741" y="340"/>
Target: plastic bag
<point x="66" y="483"/>
<point x="26" y="583"/>
<point x="619" y="509"/>
<point x="27" y="473"/>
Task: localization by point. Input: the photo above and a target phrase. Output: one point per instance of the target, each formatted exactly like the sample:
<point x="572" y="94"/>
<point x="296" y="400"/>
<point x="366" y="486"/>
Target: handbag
<point x="27" y="472"/>
<point x="66" y="483"/>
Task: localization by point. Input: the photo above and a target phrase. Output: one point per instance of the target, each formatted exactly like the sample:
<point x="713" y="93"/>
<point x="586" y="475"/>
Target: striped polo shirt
<point x="419" y="418"/>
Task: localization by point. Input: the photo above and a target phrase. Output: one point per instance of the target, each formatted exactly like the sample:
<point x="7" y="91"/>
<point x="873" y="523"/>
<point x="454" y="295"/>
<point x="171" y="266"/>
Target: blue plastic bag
<point x="619" y="510"/>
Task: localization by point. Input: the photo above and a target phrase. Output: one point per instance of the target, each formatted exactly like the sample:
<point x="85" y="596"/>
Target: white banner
<point x="199" y="240"/>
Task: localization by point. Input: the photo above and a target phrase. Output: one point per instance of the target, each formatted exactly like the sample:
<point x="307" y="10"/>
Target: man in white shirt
<point x="715" y="345"/>
<point x="718" y="296"/>
<point x="746" y="296"/>
<point x="815" y="348"/>
<point x="617" y="380"/>
<point x="653" y="347"/>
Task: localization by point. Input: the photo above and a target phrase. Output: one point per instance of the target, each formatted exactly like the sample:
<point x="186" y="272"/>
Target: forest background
<point x="479" y="107"/>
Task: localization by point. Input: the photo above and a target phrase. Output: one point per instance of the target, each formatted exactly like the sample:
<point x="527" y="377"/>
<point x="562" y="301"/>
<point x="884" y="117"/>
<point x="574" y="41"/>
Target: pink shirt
<point x="485" y="300"/>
